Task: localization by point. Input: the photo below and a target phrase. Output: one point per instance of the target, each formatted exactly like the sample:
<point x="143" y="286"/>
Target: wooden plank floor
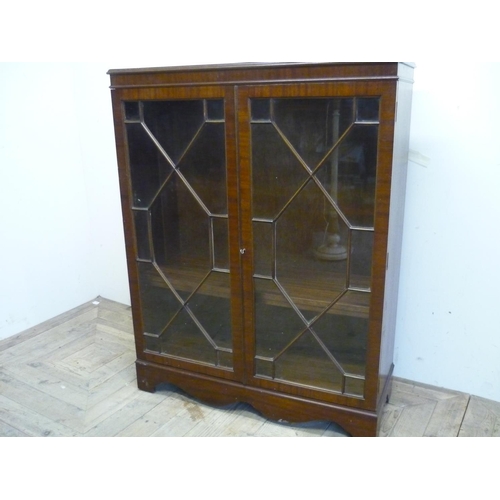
<point x="75" y="376"/>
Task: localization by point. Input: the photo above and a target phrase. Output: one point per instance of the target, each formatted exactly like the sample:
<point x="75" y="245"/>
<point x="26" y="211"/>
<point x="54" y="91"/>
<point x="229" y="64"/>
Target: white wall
<point x="46" y="264"/>
<point x="447" y="332"/>
<point x="98" y="156"/>
<point x="61" y="231"/>
<point x="62" y="239"/>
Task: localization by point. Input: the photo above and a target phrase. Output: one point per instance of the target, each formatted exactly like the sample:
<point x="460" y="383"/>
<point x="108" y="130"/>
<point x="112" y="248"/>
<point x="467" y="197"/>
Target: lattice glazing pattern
<point x="313" y="191"/>
<point x="178" y="171"/>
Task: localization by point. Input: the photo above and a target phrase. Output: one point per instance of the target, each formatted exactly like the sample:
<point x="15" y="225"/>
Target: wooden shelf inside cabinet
<point x="304" y="294"/>
<point x="260" y="202"/>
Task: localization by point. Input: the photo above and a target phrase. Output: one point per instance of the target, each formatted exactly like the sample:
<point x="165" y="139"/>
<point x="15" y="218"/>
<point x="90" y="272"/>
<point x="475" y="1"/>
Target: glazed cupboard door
<point x="310" y="161"/>
<point x="179" y="224"/>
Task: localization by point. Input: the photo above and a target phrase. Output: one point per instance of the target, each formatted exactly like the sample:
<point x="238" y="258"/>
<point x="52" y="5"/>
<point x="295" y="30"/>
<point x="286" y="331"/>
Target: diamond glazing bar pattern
<point x="176" y="151"/>
<point x="270" y="119"/>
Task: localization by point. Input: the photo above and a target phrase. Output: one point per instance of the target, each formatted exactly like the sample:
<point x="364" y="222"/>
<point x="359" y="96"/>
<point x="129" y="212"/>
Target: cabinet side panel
<point x="396" y="219"/>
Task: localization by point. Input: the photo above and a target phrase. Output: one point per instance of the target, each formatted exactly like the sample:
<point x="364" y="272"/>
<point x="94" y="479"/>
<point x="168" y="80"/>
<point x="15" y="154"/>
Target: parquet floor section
<point x="75" y="376"/>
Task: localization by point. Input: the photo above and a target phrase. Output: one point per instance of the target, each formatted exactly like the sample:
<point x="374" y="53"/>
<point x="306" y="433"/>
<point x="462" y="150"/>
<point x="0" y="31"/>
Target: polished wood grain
<point x="255" y="73"/>
<point x="75" y="376"/>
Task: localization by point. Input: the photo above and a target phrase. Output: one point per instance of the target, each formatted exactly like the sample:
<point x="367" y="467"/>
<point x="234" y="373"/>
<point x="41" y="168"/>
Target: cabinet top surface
<point x="245" y="65"/>
<point x="248" y="72"/>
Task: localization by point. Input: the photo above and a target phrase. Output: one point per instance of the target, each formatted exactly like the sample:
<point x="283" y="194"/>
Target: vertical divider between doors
<point x="234" y="217"/>
<point x="246" y="241"/>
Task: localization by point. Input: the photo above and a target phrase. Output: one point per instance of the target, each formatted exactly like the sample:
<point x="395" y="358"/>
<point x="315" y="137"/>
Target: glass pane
<point x="215" y="109"/>
<point x="263" y="248"/>
<point x="306" y="363"/>
<point x="204" y="166"/>
<point x="276" y="322"/>
<point x="211" y="306"/>
<point x="221" y="243"/>
<point x="354" y="304"/>
<point x="261" y="109"/>
<point x="132" y="111"/>
<point x="349" y="174"/>
<point x="158" y="302"/>
<point x="361" y="259"/>
<point x="276" y="172"/>
<point x="142" y="234"/>
<point x="148" y="167"/>
<point x="225" y="359"/>
<point x="344" y="331"/>
<point x="152" y="343"/>
<point x="367" y="109"/>
<point x="186" y="304"/>
<point x="264" y="368"/>
<point x="354" y="386"/>
<point x="311" y="281"/>
<point x="181" y="237"/>
<point x="174" y="124"/>
<point x="313" y="126"/>
<point x="313" y="182"/>
<point x="184" y="339"/>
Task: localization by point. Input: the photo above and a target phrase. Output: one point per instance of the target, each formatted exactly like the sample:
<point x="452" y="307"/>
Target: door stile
<point x="235" y="257"/>
<point x="376" y="375"/>
<point x="246" y="238"/>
